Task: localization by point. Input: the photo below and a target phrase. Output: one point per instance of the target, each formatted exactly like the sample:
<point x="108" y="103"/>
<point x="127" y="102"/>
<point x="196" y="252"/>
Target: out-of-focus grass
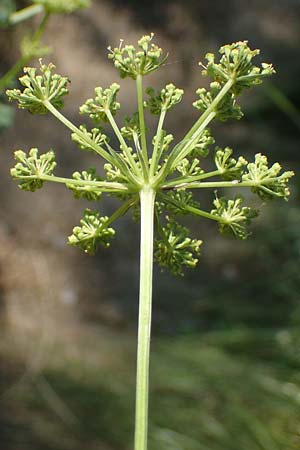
<point x="228" y="390"/>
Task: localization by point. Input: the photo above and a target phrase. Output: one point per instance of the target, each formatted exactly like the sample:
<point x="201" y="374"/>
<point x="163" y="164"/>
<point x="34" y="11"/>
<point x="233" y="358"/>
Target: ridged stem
<point x="147" y="198"/>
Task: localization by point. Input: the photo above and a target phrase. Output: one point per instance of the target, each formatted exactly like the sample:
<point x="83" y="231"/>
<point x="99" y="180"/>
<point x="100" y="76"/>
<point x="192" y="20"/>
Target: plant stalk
<point x="11" y="74"/>
<point x="147" y="198"/>
<point x="25" y="14"/>
<point x="139" y="85"/>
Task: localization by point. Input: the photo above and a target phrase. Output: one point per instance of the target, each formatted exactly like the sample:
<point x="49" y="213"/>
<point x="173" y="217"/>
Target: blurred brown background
<point x="225" y="368"/>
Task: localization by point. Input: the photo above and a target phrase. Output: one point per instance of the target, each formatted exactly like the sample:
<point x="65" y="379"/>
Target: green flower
<point x="132" y="62"/>
<point x="164" y="99"/>
<point x="233" y="219"/>
<point x="30" y="168"/>
<point x="236" y="64"/>
<point x="96" y="135"/>
<point x="92" y="232"/>
<point x="189" y="168"/>
<point x="201" y="148"/>
<point x="48" y="86"/>
<point x="229" y="167"/>
<point x="226" y="109"/>
<point x="131" y="129"/>
<point x="104" y="101"/>
<point x="176" y="250"/>
<point x="268" y="182"/>
<point x="85" y="191"/>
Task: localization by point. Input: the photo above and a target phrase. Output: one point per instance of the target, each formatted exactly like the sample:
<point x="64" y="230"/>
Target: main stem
<point x="147" y="198"/>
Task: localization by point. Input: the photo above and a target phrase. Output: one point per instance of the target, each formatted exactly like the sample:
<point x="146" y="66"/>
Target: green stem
<point x="227" y="86"/>
<point x="183" y="147"/>
<point x="191" y="142"/>
<point x="181" y="180"/>
<point x="139" y="85"/>
<point x="200" y="212"/>
<point x="122" y="210"/>
<point x="122" y="141"/>
<point x="222" y="184"/>
<point x="110" y="158"/>
<point x="80" y="133"/>
<point x="195" y="211"/>
<point x="25" y="13"/>
<point x="147" y="198"/>
<point x="39" y="31"/>
<point x="156" y="154"/>
<point x="179" y="152"/>
<point x="138" y="150"/>
<point x="104" y="186"/>
<point x="12" y="72"/>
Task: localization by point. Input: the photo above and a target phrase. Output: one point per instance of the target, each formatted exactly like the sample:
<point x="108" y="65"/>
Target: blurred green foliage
<point x="6" y="8"/>
<point x="224" y="390"/>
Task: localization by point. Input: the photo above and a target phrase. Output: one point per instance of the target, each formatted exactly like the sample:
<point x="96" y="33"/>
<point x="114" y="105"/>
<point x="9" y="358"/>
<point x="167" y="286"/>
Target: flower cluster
<point x="226" y="109"/>
<point x="96" y="135"/>
<point x="174" y="249"/>
<point x="48" y="86"/>
<point x="84" y="190"/>
<point x="30" y="168"/>
<point x="164" y="99"/>
<point x="171" y="171"/>
<point x="132" y="62"/>
<point x="93" y="230"/>
<point x="229" y="167"/>
<point x="233" y="219"/>
<point x="267" y="181"/>
<point x="105" y="100"/>
<point x="236" y="63"/>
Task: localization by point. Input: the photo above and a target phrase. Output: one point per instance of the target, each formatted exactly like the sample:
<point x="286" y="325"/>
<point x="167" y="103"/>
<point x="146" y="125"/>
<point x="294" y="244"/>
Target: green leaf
<point x="48" y="86"/>
<point x="132" y="62"/>
<point x="201" y="148"/>
<point x="164" y="99"/>
<point x="105" y="100"/>
<point x="233" y="218"/>
<point x="32" y="165"/>
<point x="131" y="127"/>
<point x="86" y="191"/>
<point x="113" y="173"/>
<point x="236" y="64"/>
<point x="92" y="232"/>
<point x="269" y="182"/>
<point x="230" y="168"/>
<point x="7" y="7"/>
<point x="189" y="168"/>
<point x="175" y="250"/>
<point x="63" y="6"/>
<point x="164" y="143"/>
<point x="226" y="109"/>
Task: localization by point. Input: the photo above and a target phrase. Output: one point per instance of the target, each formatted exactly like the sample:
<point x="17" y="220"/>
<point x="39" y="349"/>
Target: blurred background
<point x="226" y="342"/>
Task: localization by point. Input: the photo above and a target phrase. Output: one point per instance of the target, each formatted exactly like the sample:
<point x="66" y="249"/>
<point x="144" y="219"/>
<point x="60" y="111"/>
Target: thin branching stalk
<point x="139" y="86"/>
